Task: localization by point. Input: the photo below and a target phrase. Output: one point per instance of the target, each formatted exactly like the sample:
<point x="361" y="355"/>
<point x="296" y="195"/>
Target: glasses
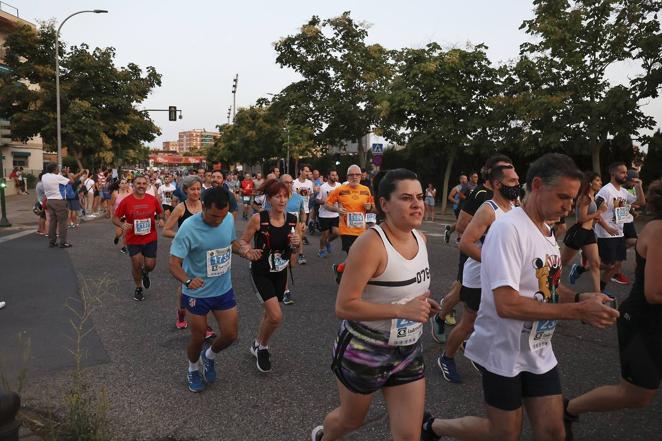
<point x="349" y="175"/>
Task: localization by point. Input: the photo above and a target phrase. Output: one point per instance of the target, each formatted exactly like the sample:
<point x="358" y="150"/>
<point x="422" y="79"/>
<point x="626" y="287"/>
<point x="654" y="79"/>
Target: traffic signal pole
<point x="3" y="204"/>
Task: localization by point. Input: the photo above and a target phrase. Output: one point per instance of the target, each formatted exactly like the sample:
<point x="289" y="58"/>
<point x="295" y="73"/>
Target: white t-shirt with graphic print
<point x="518" y="255"/>
<point x="618" y="209"/>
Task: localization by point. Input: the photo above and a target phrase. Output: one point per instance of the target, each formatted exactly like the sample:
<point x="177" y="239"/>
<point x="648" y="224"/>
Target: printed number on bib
<point x="541" y="334"/>
<point x="142" y="227"/>
<point x="622" y="215"/>
<point x="370" y="218"/>
<point x="404" y="332"/>
<point x="218" y="261"/>
<point x="278" y="263"/>
<point x="355" y="220"/>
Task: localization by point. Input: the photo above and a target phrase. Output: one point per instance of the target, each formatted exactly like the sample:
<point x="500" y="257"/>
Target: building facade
<point x="196" y="139"/>
<point x="171" y="146"/>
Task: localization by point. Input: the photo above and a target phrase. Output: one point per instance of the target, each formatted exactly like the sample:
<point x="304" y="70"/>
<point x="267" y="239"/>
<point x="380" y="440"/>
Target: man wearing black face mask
<point x="505" y="183"/>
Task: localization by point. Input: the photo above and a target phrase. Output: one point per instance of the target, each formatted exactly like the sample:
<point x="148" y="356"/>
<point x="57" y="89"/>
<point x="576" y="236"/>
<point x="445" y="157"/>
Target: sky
<point x="200" y="45"/>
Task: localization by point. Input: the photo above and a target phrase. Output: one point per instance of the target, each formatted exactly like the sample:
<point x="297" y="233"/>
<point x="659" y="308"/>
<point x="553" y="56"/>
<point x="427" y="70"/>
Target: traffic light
<point x="172" y="113"/>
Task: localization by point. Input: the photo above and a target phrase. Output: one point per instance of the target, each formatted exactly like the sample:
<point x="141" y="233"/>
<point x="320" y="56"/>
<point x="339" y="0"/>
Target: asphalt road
<point x="144" y="374"/>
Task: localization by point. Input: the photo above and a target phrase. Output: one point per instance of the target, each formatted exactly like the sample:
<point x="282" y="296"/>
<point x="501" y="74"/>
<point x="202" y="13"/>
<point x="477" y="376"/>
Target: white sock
<point x="211" y="355"/>
<point x="263" y="347"/>
<point x="192" y="366"/>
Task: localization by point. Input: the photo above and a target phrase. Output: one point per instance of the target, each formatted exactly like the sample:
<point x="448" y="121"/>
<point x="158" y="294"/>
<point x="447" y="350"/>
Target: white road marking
<point x="16" y="235"/>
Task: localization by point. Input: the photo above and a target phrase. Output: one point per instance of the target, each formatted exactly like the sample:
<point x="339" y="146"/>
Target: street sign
<point x="377" y="149"/>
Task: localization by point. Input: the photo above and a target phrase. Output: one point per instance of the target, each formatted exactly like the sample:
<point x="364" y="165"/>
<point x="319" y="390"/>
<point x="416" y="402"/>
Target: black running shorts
<point x="612" y="249"/>
<point x="578" y="237"/>
<point x="269" y="285"/>
<point x="147" y="250"/>
<point x="326" y="223"/>
<point x="629" y="231"/>
<point x="470" y="297"/>
<point x="640" y="351"/>
<point x="506" y="393"/>
<point x="347" y="242"/>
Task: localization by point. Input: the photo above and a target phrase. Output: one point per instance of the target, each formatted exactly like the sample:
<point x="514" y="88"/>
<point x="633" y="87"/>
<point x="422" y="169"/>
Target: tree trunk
<point x="595" y="156"/>
<point x="447" y="176"/>
<point x="363" y="153"/>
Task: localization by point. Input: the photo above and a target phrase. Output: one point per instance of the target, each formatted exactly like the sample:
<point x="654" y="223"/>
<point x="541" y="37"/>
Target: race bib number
<point x="218" y="261"/>
<point x="404" y="332"/>
<point x="622" y="215"/>
<point x="370" y="218"/>
<point x="355" y="220"/>
<point x="278" y="263"/>
<point x="246" y="199"/>
<point x="541" y="334"/>
<point x="142" y="227"/>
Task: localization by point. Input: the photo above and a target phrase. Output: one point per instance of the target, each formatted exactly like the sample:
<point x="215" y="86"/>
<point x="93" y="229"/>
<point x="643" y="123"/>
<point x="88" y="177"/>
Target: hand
<point x="161" y="223"/>
<point x="636" y="181"/>
<point x="196" y="283"/>
<point x="126" y="226"/>
<point x="295" y="240"/>
<point x="417" y="309"/>
<point x="435" y="308"/>
<point x="367" y="207"/>
<point x="341" y="210"/>
<point x="602" y="208"/>
<point x="612" y="231"/>
<point x="594" y="312"/>
<point x="253" y="255"/>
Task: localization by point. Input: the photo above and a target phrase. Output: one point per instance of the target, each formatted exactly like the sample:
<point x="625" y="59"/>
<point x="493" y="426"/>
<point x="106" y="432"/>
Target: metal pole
<point x="3" y="204"/>
<point x="234" y="97"/>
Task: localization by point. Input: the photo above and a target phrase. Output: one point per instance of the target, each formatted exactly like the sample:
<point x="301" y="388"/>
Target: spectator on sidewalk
<point x="42" y="226"/>
<point x="54" y="188"/>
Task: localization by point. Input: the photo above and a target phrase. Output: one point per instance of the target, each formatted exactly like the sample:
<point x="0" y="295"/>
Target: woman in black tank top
<point x="275" y="233"/>
<point x="639" y="328"/>
<point x="192" y="187"/>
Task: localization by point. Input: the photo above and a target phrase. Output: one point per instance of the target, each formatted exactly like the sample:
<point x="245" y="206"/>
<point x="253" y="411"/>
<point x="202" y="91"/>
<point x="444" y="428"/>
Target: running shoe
<point x="311" y="228"/>
<point x="448" y="369"/>
<point x="427" y="434"/>
<point x="568" y="419"/>
<point x="68" y="245"/>
<point x="287" y="298"/>
<point x="181" y="320"/>
<point x="620" y="279"/>
<point x="124" y="250"/>
<point x="437" y="327"/>
<point x="450" y="318"/>
<point x="322" y="253"/>
<point x="138" y="295"/>
<point x="447" y="234"/>
<point x="209" y="333"/>
<point x="208" y="370"/>
<point x="575" y="273"/>
<point x="301" y="260"/>
<point x="116" y="240"/>
<point x="195" y="383"/>
<point x="146" y="282"/>
<point x="317" y="433"/>
<point x="262" y="356"/>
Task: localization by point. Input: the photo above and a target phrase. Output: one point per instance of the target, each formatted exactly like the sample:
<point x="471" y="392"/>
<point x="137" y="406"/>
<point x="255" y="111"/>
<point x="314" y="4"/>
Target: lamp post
<point x="57" y="81"/>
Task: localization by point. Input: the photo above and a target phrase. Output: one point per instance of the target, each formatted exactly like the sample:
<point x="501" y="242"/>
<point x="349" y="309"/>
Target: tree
<point x="342" y="78"/>
<point x="652" y="168"/>
<point x="99" y="117"/>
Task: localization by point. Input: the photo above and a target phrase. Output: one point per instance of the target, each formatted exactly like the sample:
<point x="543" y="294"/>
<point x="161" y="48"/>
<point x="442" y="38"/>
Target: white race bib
<point x="279" y="264"/>
<point x="218" y="261"/>
<point x="246" y="199"/>
<point x="622" y="215"/>
<point x="404" y="332"/>
<point x="355" y="220"/>
<point x="541" y="334"/>
<point x="371" y="218"/>
<point x="142" y="227"/>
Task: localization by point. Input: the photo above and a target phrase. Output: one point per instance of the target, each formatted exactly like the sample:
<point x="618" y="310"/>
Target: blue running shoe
<point x="448" y="369"/>
<point x="208" y="370"/>
<point x="575" y="272"/>
<point x="322" y="253"/>
<point x="195" y="383"/>
<point x="438" y="327"/>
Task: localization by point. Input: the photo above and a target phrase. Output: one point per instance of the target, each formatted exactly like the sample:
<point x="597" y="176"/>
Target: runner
<point x="521" y="300"/>
<point x="313" y="219"/>
<point x="581" y="235"/>
<point x="247" y="190"/>
<point x="218" y="181"/>
<point x="629" y="230"/>
<point x="430" y="201"/>
<point x="609" y="228"/>
<point x="328" y="220"/>
<point x="456" y="197"/>
<point x="166" y="197"/>
<point x="274" y="232"/>
<point x="122" y="191"/>
<point x="201" y="258"/>
<point x="504" y="179"/>
<point x="140" y="211"/>
<point x="639" y="330"/>
<point x="304" y="186"/>
<point x="295" y="207"/>
<point x="383" y="301"/>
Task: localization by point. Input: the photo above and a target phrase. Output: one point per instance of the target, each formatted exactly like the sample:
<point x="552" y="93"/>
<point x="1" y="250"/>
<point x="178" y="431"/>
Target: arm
<point x="242" y="245"/>
<point x="462" y="221"/>
<point x="451" y="195"/>
<point x="331" y="201"/>
<point x="652" y="281"/>
<point x="475" y="230"/>
<point x="175" y="267"/>
<point x="582" y="210"/>
<point x="169" y="228"/>
<point x="641" y="196"/>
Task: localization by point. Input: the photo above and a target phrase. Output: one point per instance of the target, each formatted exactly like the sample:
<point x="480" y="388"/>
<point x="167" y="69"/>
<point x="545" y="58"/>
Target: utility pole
<point x="229" y="113"/>
<point x="235" y="82"/>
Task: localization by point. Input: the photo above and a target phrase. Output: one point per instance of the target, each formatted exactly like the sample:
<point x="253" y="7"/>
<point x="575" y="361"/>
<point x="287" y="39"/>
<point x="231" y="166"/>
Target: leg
<point x="137" y="262"/>
<point x="451" y="299"/>
<point x="405" y="405"/>
<point x="623" y="395"/>
<point x="227" y="323"/>
<point x="349" y="416"/>
<point x="198" y="326"/>
<point x="62" y="214"/>
<point x="272" y="318"/>
<point x="593" y="257"/>
<point x="52" y="225"/>
<point x="149" y="264"/>
<point x="567" y="254"/>
<point x="324" y="239"/>
<point x="546" y="417"/>
<point x="460" y="332"/>
<point x="500" y="425"/>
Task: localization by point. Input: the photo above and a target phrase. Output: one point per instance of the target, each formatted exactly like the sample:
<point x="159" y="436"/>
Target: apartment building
<point x="196" y="139"/>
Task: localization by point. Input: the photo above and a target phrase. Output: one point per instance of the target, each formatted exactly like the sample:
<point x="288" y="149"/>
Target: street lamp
<point x="57" y="81"/>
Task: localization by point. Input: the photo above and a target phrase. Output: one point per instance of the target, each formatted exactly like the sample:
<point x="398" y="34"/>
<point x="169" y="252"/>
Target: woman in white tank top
<point x="383" y="300"/>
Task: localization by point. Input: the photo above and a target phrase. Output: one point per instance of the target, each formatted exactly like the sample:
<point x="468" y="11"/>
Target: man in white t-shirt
<point x="304" y="187"/>
<point x="55" y="185"/>
<point x="328" y="220"/>
<point x="166" y="196"/>
<point x="609" y="226"/>
<point x="521" y="300"/>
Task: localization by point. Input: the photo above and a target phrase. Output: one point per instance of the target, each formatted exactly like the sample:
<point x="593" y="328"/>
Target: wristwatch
<point x="188" y="282"/>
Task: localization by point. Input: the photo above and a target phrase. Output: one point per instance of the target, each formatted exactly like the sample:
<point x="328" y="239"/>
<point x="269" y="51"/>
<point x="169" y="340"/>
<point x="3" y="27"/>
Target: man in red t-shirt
<point x="136" y="215"/>
<point x="247" y="190"/>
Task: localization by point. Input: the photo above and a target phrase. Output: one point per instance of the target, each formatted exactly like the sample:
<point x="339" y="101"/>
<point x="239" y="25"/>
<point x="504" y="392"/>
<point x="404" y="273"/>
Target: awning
<point x="21" y="154"/>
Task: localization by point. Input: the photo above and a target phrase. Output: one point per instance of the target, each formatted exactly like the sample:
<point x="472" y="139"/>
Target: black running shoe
<point x="447" y="234"/>
<point x="124" y="250"/>
<point x="262" y="355"/>
<point x="427" y="434"/>
<point x="138" y="295"/>
<point x="568" y="419"/>
<point x="317" y="433"/>
<point x="146" y="282"/>
<point x="116" y="240"/>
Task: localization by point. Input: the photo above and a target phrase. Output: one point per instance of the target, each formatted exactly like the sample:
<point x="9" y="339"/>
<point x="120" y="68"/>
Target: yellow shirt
<point x="352" y="199"/>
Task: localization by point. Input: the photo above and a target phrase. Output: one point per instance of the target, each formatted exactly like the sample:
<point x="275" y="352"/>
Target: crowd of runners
<point x="509" y="279"/>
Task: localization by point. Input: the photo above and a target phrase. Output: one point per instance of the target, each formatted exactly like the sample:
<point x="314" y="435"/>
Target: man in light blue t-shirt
<point x="201" y="258"/>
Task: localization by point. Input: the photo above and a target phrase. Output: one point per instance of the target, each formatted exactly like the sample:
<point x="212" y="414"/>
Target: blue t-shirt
<point x="207" y="253"/>
<point x="232" y="201"/>
<point x="294" y="204"/>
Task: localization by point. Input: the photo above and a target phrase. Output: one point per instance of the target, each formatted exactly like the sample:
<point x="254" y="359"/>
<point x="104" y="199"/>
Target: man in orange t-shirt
<point x="352" y="201"/>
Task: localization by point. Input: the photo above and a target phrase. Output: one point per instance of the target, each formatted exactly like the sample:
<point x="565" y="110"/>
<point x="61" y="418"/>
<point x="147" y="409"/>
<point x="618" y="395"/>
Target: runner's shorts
<point x="202" y="305"/>
<point x="347" y="242"/>
<point x="612" y="249"/>
<point x="326" y="223"/>
<point x="640" y="350"/>
<point x="147" y="249"/>
<point x="364" y="362"/>
<point x="166" y="207"/>
<point x="629" y="231"/>
<point x="269" y="285"/>
<point x="578" y="237"/>
<point x="470" y="297"/>
<point x="429" y="201"/>
<point x="506" y="393"/>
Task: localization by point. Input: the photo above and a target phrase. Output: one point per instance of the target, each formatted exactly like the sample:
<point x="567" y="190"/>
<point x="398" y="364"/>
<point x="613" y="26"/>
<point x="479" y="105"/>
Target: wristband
<point x="188" y="282"/>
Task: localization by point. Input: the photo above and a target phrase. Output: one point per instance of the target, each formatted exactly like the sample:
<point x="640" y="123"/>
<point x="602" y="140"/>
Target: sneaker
<point x="262" y="356"/>
<point x="311" y="228"/>
<point x="437" y="327"/>
<point x="447" y="234"/>
<point x="426" y="431"/>
<point x="181" y="320"/>
<point x="322" y="253"/>
<point x="124" y="250"/>
<point x="568" y="420"/>
<point x="575" y="273"/>
<point x="620" y="279"/>
<point x="116" y="240"/>
<point x="138" y="295"/>
<point x="208" y="370"/>
<point x="448" y="369"/>
<point x="287" y="298"/>
<point x="450" y="318"/>
<point x="146" y="282"/>
<point x="195" y="383"/>
<point x="301" y="260"/>
<point x="68" y="245"/>
<point x="209" y="333"/>
<point x="317" y="433"/>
